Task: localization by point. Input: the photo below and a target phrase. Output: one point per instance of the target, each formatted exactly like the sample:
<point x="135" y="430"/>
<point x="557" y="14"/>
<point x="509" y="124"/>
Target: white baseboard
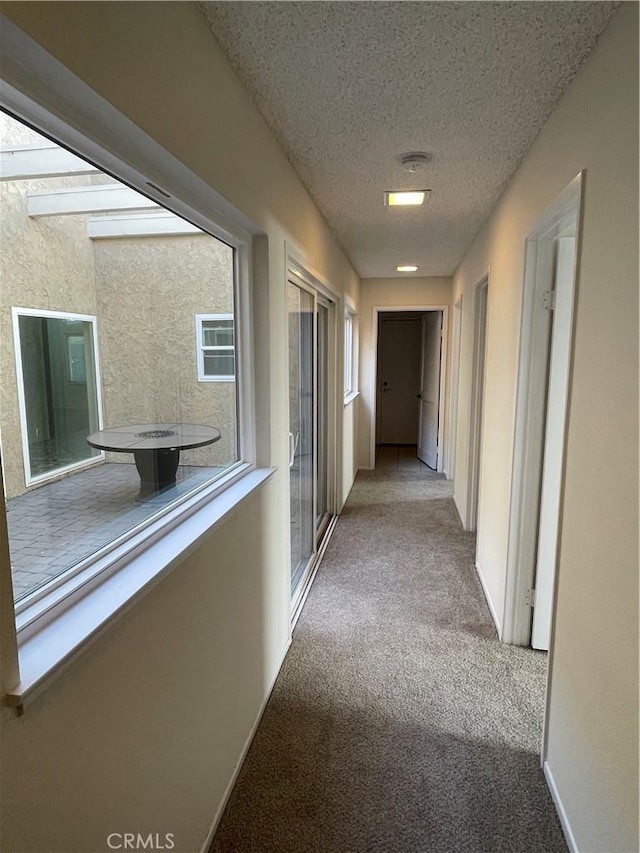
<point x="243" y="755"/>
<point x="562" y="814"/>
<point x="490" y="605"/>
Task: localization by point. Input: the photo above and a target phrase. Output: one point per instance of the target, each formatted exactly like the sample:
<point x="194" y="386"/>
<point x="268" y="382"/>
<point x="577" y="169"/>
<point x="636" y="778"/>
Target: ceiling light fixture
<point x="394" y="198"/>
<point x="407" y="268"/>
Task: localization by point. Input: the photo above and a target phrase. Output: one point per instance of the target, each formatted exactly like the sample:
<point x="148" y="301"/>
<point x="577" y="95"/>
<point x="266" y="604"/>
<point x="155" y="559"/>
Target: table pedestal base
<point x="157" y="469"/>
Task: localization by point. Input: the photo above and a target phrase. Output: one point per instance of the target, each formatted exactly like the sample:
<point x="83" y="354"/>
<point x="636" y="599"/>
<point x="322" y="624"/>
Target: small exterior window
<point x="216" y="347"/>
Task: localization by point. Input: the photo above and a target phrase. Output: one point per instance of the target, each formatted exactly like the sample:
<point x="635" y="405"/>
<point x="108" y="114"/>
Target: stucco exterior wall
<point x="149" y="370"/>
<point x="148" y="292"/>
<point x="44" y="263"/>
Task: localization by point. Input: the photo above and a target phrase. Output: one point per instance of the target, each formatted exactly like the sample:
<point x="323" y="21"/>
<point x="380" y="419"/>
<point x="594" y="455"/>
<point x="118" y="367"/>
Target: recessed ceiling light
<point x="394" y="198"/>
<point x="407" y="268"/>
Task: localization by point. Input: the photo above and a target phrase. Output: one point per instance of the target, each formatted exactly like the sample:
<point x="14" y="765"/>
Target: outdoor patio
<point x="55" y="526"/>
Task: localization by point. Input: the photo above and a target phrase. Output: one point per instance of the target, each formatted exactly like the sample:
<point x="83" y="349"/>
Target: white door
<point x="430" y="390"/>
<point x="400" y="343"/>
<point x="553" y="443"/>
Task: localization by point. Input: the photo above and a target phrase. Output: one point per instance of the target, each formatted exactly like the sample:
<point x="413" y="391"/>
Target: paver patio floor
<point x="55" y="526"/>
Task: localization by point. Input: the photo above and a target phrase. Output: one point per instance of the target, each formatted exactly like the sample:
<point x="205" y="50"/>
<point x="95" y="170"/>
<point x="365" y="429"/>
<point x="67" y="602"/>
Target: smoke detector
<point x="415" y="161"/>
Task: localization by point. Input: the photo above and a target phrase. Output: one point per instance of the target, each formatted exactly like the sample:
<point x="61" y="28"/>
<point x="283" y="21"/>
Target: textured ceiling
<point x="349" y="86"/>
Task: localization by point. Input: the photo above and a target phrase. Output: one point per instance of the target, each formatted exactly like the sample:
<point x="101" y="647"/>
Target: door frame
<point x="298" y="274"/>
<point x="478" y="385"/>
<point x="373" y="379"/>
<point x="441" y="390"/>
<point x="332" y="385"/>
<point x="530" y="419"/>
<point x="452" y="426"/>
<point x="17" y="312"/>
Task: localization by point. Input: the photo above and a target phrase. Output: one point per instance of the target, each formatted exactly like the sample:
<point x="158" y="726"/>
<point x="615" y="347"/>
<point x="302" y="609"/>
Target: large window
<point x="111" y="419"/>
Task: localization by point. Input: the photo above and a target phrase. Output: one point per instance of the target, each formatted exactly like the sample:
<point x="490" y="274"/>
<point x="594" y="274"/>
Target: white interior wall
<point x="145" y="730"/>
<point x="350" y="432"/>
<point x="593" y="711"/>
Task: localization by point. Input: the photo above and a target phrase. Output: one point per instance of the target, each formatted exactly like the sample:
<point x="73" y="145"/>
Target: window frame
<point x="350" y="362"/>
<point x="48" y="630"/>
<point x="16" y="313"/>
<point x="202" y="348"/>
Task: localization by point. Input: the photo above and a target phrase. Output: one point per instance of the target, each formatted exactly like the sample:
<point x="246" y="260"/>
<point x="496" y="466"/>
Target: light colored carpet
<point x="398" y="723"/>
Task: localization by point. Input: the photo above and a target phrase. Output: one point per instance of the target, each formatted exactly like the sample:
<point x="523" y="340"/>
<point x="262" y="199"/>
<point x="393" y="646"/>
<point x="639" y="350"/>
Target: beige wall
<point x="592" y="720"/>
<point x="145" y="730"/>
<point x="387" y="293"/>
<point x="350" y="432"/>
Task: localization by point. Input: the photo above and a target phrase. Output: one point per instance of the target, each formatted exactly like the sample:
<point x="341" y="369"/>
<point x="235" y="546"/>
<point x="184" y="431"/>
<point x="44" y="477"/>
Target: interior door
<point x="553" y="444"/>
<point x="400" y="342"/>
<point x="430" y="390"/>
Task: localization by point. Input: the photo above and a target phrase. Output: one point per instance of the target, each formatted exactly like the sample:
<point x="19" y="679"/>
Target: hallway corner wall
<point x="592" y="719"/>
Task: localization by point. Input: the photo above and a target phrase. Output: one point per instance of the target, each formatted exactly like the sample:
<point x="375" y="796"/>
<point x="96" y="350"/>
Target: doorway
<point x="541" y="409"/>
<point x="409" y="377"/>
<point x="311" y="328"/>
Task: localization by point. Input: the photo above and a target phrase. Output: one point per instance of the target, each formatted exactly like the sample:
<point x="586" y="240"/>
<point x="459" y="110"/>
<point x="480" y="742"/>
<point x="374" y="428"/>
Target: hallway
<point x="398" y="721"/>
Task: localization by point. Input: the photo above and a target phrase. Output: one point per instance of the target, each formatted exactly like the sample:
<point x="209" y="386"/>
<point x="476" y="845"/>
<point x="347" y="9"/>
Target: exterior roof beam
<point x="29" y="162"/>
<point x="163" y="224"/>
<point x="101" y="198"/>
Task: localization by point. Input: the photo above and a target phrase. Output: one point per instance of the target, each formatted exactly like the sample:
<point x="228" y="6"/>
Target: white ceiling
<point x="349" y="86"/>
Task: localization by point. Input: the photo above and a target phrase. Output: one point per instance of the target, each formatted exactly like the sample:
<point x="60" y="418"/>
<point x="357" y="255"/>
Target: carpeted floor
<point x="399" y="723"/>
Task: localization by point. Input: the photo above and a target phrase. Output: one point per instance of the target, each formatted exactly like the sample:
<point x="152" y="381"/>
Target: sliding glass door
<point x="58" y="390"/>
<point x="322" y="386"/>
<point x="310" y="444"/>
<point x="301" y="429"/>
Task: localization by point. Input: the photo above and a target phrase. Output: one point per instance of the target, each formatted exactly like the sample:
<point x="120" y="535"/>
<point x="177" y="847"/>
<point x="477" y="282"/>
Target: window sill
<point x="350" y="397"/>
<point x="49" y="650"/>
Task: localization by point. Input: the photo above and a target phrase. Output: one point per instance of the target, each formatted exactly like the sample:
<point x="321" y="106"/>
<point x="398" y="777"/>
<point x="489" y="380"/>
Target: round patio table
<point x="156" y="449"/>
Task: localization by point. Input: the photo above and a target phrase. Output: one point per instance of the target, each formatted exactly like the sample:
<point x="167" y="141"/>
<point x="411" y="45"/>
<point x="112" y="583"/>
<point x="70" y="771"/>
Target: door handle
<point x="293" y="445"/>
<point x="418" y="396"/>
